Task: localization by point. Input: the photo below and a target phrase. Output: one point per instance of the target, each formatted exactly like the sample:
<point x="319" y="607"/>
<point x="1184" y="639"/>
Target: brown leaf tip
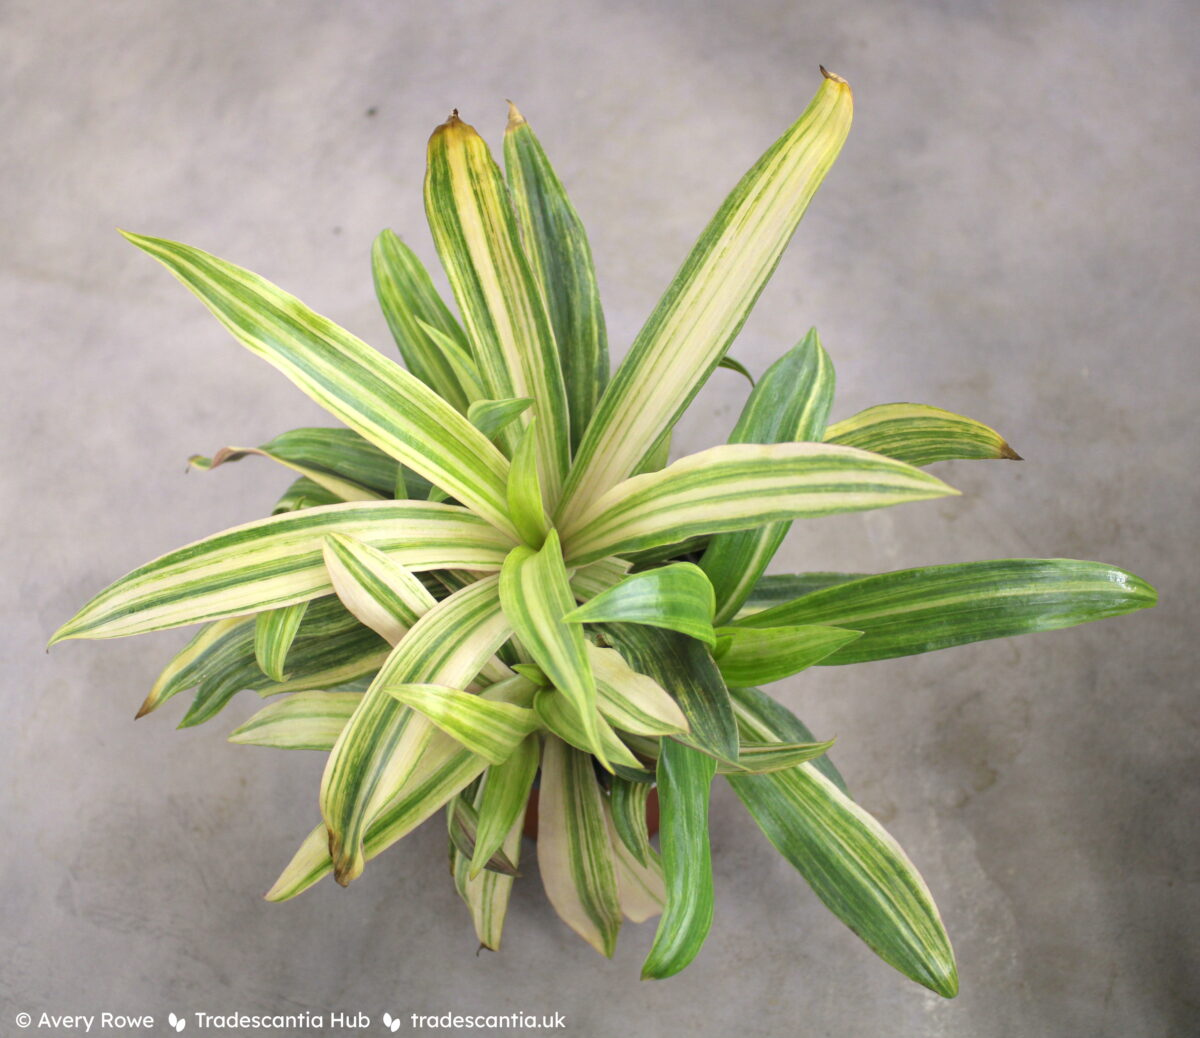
<point x="1009" y="454"/>
<point x="515" y="118"/>
<point x="830" y="75"/>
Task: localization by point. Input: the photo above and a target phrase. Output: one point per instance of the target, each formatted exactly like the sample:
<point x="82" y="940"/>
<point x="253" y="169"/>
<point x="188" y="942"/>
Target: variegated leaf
<point x="678" y="597"/>
<point x="919" y="435"/>
<point x="303" y="721"/>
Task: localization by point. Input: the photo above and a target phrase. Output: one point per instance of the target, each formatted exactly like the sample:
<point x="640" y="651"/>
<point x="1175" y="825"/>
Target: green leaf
<point x="758" y="712"/>
<point x="443" y="769"/>
<point x="627" y="801"/>
<point x="589" y="581"/>
<point x="737" y="486"/>
<point x="575" y="855"/>
<point x="463" y="821"/>
<point x="379" y="748"/>
<point x="459" y="358"/>
<point x="735" y="365"/>
<point x="705" y="306"/>
<point x="504" y="800"/>
<point x="340" y="452"/>
<point x="222" y="653"/>
<point x="340" y="489"/>
<point x="790" y="403"/>
<point x="936" y="607"/>
<point x="561" y="261"/>
<point x="526" y="508"/>
<point x="561" y="716"/>
<point x="278" y="561"/>
<point x="631" y="701"/>
<point x="776" y="588"/>
<point x="492" y="730"/>
<point x="536" y="594"/>
<point x="854" y="866"/>
<point x="304" y="493"/>
<point x="491" y="417"/>
<point x="274" y="632"/>
<point x="683" y="667"/>
<point x="684" y="779"/>
<point x="303" y="721"/>
<point x="919" y="435"/>
<point x="410" y="302"/>
<point x="476" y="234"/>
<point x="760" y="655"/>
<point x="357" y="385"/>
<point x="677" y="597"/>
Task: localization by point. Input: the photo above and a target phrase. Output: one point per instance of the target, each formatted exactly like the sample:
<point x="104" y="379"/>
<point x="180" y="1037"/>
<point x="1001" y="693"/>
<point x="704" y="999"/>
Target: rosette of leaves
<point x="488" y="579"/>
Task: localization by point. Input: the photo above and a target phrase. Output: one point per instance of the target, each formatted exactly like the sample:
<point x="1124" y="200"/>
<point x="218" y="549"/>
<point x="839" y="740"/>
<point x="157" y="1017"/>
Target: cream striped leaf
<point x="737" y="486"/>
<point x="919" y="435"/>
<point x="790" y="402"/>
<point x="631" y="701"/>
<point x="304" y="493"/>
<point x="760" y="757"/>
<point x="588" y="581"/>
<point x="274" y="632"/>
<point x="640" y="887"/>
<point x="356" y="384"/>
<point x="560" y="715"/>
<point x="561" y="261"/>
<point x="381" y="593"/>
<point x="684" y="779"/>
<point x="470" y="215"/>
<point x="536" y="594"/>
<point x="492" y="730"/>
<point x="185" y="669"/>
<point x="410" y="303"/>
<point x="380" y="746"/>
<point x="504" y="800"/>
<point x="575" y="854"/>
<point x="277" y="561"/>
<point x="851" y="862"/>
<point x="304" y="721"/>
<point x="443" y="770"/>
<point x="486" y="893"/>
<point x="341" y="489"/>
<point x="705" y="306"/>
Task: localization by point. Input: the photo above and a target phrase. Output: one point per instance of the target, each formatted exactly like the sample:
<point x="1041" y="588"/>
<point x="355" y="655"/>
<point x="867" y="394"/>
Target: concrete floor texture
<point x="1012" y="232"/>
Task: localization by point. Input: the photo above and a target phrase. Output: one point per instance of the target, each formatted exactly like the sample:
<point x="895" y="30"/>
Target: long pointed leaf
<point x="410" y="302"/>
<point x="304" y="721"/>
<point x="341" y="489"/>
<point x="561" y="261"/>
<point x="477" y="238"/>
<point x="711" y="296"/>
<point x="370" y="393"/>
<point x="492" y="730"/>
<point x="504" y="800"/>
<point x="684" y="779"/>
<point x="920" y="435"/>
<point x="277" y="561"/>
<point x="737" y="486"/>
<point x="575" y="855"/>
<point x="381" y="593"/>
<point x="936" y="607"/>
<point x="853" y="865"/>
<point x="631" y="701"/>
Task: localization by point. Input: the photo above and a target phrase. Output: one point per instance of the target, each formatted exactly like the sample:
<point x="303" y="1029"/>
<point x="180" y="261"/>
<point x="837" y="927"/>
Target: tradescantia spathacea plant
<point x="489" y="580"/>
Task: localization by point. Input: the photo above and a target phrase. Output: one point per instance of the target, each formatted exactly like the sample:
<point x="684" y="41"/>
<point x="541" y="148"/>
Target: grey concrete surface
<point x="1011" y="233"/>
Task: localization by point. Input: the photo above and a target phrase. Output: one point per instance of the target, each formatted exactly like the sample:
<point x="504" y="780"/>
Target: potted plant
<point x="490" y="577"/>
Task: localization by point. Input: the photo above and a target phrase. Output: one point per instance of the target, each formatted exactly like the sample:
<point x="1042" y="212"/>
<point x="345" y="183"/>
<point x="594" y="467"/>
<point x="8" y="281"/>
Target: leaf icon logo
<point x="391" y="1023"/>
<point x="178" y="1022"/>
